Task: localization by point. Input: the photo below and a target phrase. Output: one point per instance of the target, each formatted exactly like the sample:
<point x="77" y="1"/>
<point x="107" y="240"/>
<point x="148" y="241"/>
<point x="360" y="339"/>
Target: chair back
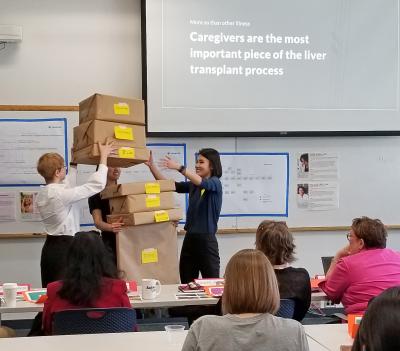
<point x="286" y="308"/>
<point x="94" y="321"/>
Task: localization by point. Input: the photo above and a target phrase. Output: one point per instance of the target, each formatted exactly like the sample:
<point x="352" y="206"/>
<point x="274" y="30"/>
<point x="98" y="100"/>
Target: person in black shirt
<point x="100" y="208"/>
<point x="200" y="247"/>
<point x="275" y="240"/>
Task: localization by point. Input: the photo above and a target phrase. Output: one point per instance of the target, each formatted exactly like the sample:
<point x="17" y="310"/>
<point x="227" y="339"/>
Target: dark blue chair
<point x="286" y="309"/>
<point x="94" y="321"/>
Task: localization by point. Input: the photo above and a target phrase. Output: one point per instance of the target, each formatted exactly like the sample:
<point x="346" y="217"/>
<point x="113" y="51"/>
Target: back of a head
<point x="372" y="231"/>
<point x="88" y="262"/>
<point x="275" y="241"/>
<point x="212" y="155"/>
<point x="48" y="164"/>
<point x="250" y="284"/>
<point x="380" y="327"/>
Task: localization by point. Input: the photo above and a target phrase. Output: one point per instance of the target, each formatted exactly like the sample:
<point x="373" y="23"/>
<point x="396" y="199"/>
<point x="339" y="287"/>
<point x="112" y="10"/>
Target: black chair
<point x="94" y="321"/>
<point x="286" y="309"/>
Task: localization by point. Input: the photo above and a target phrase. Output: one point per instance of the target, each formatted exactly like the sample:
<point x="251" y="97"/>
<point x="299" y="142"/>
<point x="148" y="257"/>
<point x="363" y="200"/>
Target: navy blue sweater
<point x="204" y="209"/>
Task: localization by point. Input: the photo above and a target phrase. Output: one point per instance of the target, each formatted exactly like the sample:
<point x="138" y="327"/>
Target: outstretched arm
<point x="154" y="169"/>
<point x="169" y="163"/>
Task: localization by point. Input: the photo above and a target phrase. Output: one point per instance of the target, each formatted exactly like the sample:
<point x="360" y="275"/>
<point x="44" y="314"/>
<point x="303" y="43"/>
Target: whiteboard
<point x="368" y="176"/>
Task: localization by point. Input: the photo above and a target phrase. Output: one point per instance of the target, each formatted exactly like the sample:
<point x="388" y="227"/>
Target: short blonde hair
<point x="250" y="284"/>
<point x="48" y="164"/>
<point x="275" y="240"/>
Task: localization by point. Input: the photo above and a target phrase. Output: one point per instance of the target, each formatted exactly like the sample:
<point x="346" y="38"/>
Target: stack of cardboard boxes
<point x="102" y="118"/>
<point x="142" y="202"/>
<point x="147" y="244"/>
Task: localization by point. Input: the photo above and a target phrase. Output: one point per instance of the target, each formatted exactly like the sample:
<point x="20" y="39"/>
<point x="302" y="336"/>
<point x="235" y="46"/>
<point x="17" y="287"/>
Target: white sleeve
<point x="70" y="178"/>
<point x="96" y="183"/>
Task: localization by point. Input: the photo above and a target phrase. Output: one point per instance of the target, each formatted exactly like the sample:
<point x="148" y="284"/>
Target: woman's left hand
<point x="169" y="163"/>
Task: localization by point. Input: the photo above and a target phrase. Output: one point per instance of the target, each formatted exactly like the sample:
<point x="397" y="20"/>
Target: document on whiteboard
<point x="22" y="142"/>
<point x="318" y="196"/>
<point x="255" y="184"/>
<point x="317" y="165"/>
<point x="8" y="203"/>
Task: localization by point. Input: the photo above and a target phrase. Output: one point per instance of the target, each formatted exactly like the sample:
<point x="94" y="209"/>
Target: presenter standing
<point x="200" y="247"/>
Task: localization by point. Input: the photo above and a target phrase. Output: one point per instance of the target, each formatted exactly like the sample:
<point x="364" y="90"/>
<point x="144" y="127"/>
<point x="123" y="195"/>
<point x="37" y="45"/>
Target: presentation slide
<point x="272" y="66"/>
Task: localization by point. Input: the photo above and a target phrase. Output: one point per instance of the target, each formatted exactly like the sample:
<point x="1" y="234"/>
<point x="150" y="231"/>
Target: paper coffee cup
<point x="10" y="294"/>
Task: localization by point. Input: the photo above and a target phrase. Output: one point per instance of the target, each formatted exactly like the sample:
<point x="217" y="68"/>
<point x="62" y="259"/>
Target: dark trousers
<point x="53" y="259"/>
<point x="199" y="254"/>
<point x="110" y="242"/>
<point x="52" y="266"/>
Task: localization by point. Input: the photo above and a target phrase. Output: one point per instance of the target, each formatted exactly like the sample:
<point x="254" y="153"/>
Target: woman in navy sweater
<point x="200" y="247"/>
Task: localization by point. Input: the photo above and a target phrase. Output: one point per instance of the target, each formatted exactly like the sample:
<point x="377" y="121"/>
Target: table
<point x="98" y="342"/>
<point x="165" y="299"/>
<point x="330" y="336"/>
<point x="106" y="342"/>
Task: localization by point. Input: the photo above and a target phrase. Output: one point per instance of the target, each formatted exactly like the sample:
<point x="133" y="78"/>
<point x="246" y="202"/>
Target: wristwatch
<point x="182" y="169"/>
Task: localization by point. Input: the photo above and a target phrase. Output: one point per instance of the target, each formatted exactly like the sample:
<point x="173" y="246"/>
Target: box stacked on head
<point x="102" y="118"/>
<point x="147" y="244"/>
<point x="142" y="202"/>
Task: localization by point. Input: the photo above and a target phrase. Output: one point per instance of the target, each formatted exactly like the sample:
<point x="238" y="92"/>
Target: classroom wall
<point x="72" y="49"/>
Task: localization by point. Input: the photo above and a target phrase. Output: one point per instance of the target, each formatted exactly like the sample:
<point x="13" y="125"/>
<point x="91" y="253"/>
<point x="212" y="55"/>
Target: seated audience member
<point x="363" y="268"/>
<point x="276" y="242"/>
<point x="380" y="326"/>
<point x="250" y="299"/>
<point x="90" y="281"/>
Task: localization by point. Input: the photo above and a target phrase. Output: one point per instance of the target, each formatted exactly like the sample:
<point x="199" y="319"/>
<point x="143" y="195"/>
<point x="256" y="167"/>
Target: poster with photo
<point x="28" y="208"/>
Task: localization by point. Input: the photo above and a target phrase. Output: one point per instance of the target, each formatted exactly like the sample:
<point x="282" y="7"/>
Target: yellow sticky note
<point x="149" y="256"/>
<point x="123" y="132"/>
<point x="202" y="192"/>
<point x="153" y="201"/>
<point x="126" y="152"/>
<point x="152" y="188"/>
<point x="161" y="216"/>
<point x="121" y="108"/>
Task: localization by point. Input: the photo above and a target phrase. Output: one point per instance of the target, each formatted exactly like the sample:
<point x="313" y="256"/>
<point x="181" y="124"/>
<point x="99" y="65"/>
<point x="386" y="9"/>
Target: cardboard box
<point x="152" y="187"/>
<point x="122" y="158"/>
<point x="140" y="218"/>
<point x="160" y="240"/>
<point x="93" y="132"/>
<point x="142" y="203"/>
<point x="113" y="109"/>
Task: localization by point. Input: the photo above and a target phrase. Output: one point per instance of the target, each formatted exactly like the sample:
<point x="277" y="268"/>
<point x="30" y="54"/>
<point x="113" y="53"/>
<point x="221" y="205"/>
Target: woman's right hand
<point x="345" y="251"/>
<point x="150" y="162"/>
<point x="117" y="226"/>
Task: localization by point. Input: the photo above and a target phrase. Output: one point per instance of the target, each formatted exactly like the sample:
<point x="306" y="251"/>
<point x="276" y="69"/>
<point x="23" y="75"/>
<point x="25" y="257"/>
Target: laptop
<point x="326" y="263"/>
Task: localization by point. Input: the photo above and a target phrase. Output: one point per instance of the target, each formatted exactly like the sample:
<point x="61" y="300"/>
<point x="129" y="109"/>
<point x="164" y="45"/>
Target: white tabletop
<point x="99" y="342"/>
<point x="331" y="336"/>
<point x="165" y="299"/>
<point x="105" y="342"/>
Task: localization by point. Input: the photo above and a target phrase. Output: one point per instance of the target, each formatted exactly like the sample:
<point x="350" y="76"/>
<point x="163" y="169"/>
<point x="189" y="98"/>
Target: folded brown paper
<point x="112" y="108"/>
<point x="162" y="237"/>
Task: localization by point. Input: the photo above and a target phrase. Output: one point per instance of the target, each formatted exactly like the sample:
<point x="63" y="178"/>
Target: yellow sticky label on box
<point x="121" y="108"/>
<point x="123" y="132"/>
<point x="153" y="201"/>
<point x="152" y="188"/>
<point x="126" y="152"/>
<point x="161" y="216"/>
<point x="149" y="256"/>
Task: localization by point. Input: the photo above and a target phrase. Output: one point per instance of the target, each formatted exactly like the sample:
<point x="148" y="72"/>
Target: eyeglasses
<point x="348" y="236"/>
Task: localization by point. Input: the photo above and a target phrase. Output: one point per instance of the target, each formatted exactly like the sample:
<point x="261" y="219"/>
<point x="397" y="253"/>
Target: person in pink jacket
<point x="363" y="268"/>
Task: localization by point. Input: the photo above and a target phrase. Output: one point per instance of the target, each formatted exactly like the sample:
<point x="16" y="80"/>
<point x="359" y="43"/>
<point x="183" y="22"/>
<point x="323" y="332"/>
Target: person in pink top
<point x="362" y="269"/>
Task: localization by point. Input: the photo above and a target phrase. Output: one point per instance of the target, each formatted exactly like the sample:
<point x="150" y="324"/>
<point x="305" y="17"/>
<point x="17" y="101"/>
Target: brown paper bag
<point x="132" y="241"/>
